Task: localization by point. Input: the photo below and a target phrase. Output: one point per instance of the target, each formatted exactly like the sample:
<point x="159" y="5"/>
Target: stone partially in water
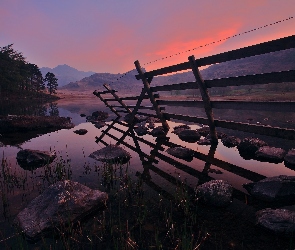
<point x="99" y="124"/>
<point x="100" y="115"/>
<point x="158" y="132"/>
<point x="290" y="158"/>
<point x="248" y="147"/>
<point x="280" y="221"/>
<point x="33" y="159"/>
<point x="270" y="154"/>
<point x="64" y="202"/>
<point x="179" y="128"/>
<point x="189" y="135"/>
<point x="230" y="141"/>
<point x="273" y="189"/>
<point x="216" y="192"/>
<point x="81" y="131"/>
<point x="111" y="153"/>
<point x="141" y="130"/>
<point x="180" y="152"/>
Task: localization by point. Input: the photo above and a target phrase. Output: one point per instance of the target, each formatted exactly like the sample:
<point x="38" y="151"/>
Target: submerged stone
<point x="189" y="135"/>
<point x="33" y="159"/>
<point x="111" y="153"/>
<point x="290" y="158"/>
<point x="180" y="152"/>
<point x="216" y="192"/>
<point x="273" y="189"/>
<point x="280" y="221"/>
<point x="230" y="141"/>
<point x="64" y="202"/>
<point x="270" y="154"/>
<point x="81" y="131"/>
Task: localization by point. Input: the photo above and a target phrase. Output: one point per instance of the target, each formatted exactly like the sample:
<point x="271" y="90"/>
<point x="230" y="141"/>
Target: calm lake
<point x="19" y="186"/>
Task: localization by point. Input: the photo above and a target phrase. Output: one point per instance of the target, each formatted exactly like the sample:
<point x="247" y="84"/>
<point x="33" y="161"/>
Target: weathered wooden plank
<point x="176" y="86"/>
<point x="236" y="105"/>
<point x="194" y="119"/>
<point x="284" y="133"/>
<point x="274" y="77"/>
<point x="257" y="49"/>
<point x="205" y="98"/>
<point x="106" y="103"/>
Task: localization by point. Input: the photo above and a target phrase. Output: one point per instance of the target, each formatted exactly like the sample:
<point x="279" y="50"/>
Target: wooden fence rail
<point x="159" y="102"/>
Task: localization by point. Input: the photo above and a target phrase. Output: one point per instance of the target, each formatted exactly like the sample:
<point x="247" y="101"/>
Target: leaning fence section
<point x="159" y="102"/>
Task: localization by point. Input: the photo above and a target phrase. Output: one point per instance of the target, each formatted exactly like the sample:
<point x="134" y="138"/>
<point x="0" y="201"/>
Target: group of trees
<point x="18" y="75"/>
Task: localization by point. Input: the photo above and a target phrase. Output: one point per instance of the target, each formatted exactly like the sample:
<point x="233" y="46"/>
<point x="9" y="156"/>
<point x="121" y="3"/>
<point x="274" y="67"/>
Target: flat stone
<point x="158" y="132"/>
<point x="100" y="115"/>
<point x="216" y="192"/>
<point x="290" y="158"/>
<point x="179" y="128"/>
<point x="141" y="130"/>
<point x="205" y="141"/>
<point x="180" y="152"/>
<point x="273" y="189"/>
<point x="64" y="202"/>
<point x="280" y="221"/>
<point x="270" y="154"/>
<point x="204" y="131"/>
<point x="111" y="153"/>
<point x="248" y="147"/>
<point x="81" y="131"/>
<point x="32" y="159"/>
<point x="230" y="141"/>
<point x="99" y="124"/>
<point x="189" y="135"/>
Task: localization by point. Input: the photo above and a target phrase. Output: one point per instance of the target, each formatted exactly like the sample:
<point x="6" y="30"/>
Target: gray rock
<point x="180" y="152"/>
<point x="141" y="130"/>
<point x="205" y="131"/>
<point x="205" y="141"/>
<point x="189" y="135"/>
<point x="178" y="129"/>
<point x="100" y="115"/>
<point x="33" y="159"/>
<point x="270" y="154"/>
<point x="230" y="141"/>
<point x="99" y="124"/>
<point x="248" y="147"/>
<point x="158" y="132"/>
<point x="63" y="202"/>
<point x="216" y="192"/>
<point x="111" y="153"/>
<point x="290" y="158"/>
<point x="81" y="131"/>
<point x="280" y="221"/>
<point x="273" y="189"/>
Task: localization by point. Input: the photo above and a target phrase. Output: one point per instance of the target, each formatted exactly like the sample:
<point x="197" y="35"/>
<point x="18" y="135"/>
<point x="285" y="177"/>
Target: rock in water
<point x="230" y="141"/>
<point x="180" y="152"/>
<point x="179" y="128"/>
<point x="274" y="189"/>
<point x="290" y="158"/>
<point x="270" y="154"/>
<point x="158" y="132"/>
<point x="277" y="220"/>
<point x="189" y="135"/>
<point x="63" y="202"/>
<point x="111" y="153"/>
<point x="141" y="130"/>
<point x="33" y="159"/>
<point x="81" y="131"/>
<point x="248" y="147"/>
<point x="216" y="192"/>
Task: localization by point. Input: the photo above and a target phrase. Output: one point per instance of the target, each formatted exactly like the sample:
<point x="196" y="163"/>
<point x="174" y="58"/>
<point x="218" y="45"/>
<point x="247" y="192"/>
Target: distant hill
<point x="272" y="62"/>
<point x="66" y="74"/>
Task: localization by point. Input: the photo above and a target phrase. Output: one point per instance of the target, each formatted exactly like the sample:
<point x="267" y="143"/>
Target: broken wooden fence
<point x="159" y="102"/>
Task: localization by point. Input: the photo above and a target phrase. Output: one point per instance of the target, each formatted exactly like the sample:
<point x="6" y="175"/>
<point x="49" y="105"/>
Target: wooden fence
<point x="158" y="102"/>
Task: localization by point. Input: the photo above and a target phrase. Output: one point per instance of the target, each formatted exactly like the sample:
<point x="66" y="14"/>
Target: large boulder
<point x="111" y="153"/>
<point x="280" y="221"/>
<point x="290" y="158"/>
<point x="189" y="135"/>
<point x="273" y="189"/>
<point x="180" y="152"/>
<point x="64" y="202"/>
<point x="32" y="159"/>
<point x="270" y="154"/>
<point x="216" y="192"/>
<point x="230" y="141"/>
<point x="248" y="147"/>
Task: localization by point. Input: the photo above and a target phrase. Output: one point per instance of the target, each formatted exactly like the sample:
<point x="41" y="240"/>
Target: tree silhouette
<point x="51" y="82"/>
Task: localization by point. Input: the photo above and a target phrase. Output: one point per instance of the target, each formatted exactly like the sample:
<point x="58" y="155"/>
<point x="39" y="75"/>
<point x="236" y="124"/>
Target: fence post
<point x="151" y="96"/>
<point x="205" y="98"/>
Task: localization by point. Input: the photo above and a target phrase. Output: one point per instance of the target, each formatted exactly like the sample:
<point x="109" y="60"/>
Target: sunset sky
<point x="109" y="35"/>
